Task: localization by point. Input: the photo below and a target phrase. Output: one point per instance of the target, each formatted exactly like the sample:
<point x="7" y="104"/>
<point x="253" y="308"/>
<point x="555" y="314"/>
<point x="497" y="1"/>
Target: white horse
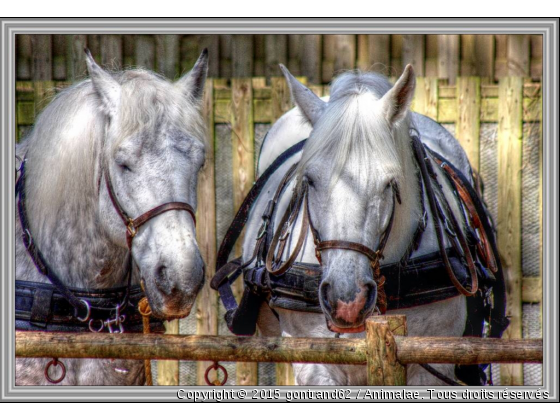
<point x="104" y="151"/>
<point x="358" y="150"/>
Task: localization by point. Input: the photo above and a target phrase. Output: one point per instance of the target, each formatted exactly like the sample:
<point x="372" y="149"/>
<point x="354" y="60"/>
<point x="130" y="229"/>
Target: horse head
<point x="153" y="150"/>
<point x="352" y="173"/>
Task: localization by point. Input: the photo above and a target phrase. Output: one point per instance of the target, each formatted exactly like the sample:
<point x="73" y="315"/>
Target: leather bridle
<point x="300" y="201"/>
<point x="132" y="225"/>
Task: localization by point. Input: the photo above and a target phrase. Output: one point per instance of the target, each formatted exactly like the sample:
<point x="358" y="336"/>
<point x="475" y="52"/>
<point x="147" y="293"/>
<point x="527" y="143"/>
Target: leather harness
<point x="56" y="307"/>
<point x="469" y="266"/>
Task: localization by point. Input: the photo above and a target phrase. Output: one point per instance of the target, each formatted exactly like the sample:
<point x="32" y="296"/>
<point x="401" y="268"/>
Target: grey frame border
<point x="548" y="27"/>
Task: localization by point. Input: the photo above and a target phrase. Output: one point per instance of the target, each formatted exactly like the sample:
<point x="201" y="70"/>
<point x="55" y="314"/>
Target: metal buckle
<point x="263" y="229"/>
<point x="132" y="231"/>
<point x="88" y="313"/>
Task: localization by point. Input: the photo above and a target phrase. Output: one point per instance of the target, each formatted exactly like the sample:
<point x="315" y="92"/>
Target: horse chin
<point x="345" y="330"/>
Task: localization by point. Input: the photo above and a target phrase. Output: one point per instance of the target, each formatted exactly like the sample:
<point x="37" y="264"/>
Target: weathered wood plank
<point x="225" y="56"/>
<point x="536" y="57"/>
<point x="431" y="56"/>
<point x="276" y="52"/>
<point x="242" y="131"/>
<point x="413" y="53"/>
<point x="168" y="370"/>
<point x="212" y="42"/>
<point x="426" y="97"/>
<point x="311" y="58"/>
<point x="484" y="57"/>
<point x="448" y="57"/>
<point x="518" y="61"/>
<point x="383" y="366"/>
<point x="510" y="135"/>
<point x="23" y="57"/>
<point x="242" y="56"/>
<point x="167" y="55"/>
<point x="345" y="56"/>
<point x="59" y="57"/>
<point x="379" y="53"/>
<point x="396" y="55"/>
<point x="145" y="52"/>
<point x="531" y="291"/>
<point x="42" y="57"/>
<point x="467" y="129"/>
<point x="207" y="300"/>
<point x="189" y="51"/>
<point x="500" y="61"/>
<point x="329" y="55"/>
<point x="295" y="49"/>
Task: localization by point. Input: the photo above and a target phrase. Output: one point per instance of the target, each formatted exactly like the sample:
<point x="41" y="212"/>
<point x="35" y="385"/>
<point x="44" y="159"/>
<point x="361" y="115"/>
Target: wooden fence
<point x="242" y="103"/>
<point x="385" y="351"/>
<point x="317" y="57"/>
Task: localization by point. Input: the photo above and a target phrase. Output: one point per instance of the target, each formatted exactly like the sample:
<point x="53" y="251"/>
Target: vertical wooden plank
<point x="329" y="52"/>
<point x="168" y="370"/>
<point x="413" y="52"/>
<point x="242" y="132"/>
<point x="212" y="42"/>
<point x="225" y="56"/>
<point x="75" y="57"/>
<point x="112" y="51"/>
<point x="518" y="55"/>
<point x="276" y="52"/>
<point x="510" y="135"/>
<point x="383" y="367"/>
<point x="468" y="55"/>
<point x="242" y="56"/>
<point x="396" y="55"/>
<point x="448" y="57"/>
<point x="501" y="62"/>
<point x="426" y="97"/>
<point x="536" y="57"/>
<point x="362" y="52"/>
<point x="42" y="57"/>
<point x="379" y="52"/>
<point x="345" y="56"/>
<point x="311" y="64"/>
<point x="259" y="67"/>
<point x="145" y="52"/>
<point x="24" y="53"/>
<point x="129" y="58"/>
<point x="94" y="46"/>
<point x="484" y="57"/>
<point x="280" y="104"/>
<point x="431" y="55"/>
<point x="207" y="301"/>
<point x="59" y="57"/>
<point x="295" y="44"/>
<point x="167" y="56"/>
<point x="468" y="118"/>
<point x="189" y="52"/>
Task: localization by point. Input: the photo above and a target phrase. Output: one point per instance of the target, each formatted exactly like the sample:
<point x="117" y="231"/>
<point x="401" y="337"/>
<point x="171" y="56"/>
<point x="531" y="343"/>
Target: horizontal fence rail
<point x="277" y="349"/>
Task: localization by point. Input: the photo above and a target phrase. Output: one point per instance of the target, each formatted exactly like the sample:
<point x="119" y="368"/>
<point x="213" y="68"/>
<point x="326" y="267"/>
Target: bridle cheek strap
<point x="132" y="225"/>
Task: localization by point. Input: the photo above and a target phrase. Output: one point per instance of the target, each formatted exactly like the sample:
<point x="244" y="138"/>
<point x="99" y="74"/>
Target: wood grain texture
<point x="510" y="134"/>
<point x="242" y="132"/>
<point x="467" y="128"/>
<point x="168" y="370"/>
<point x="413" y="52"/>
<point x="448" y="57"/>
<point x="207" y="300"/>
<point x="24" y="55"/>
<point x="167" y="55"/>
<point x="383" y="366"/>
<point x="426" y="97"/>
<point x="42" y="57"/>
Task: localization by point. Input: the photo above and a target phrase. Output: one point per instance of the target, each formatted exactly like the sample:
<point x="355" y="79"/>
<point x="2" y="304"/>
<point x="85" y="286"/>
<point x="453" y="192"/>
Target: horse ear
<point x="310" y="104"/>
<point x="106" y="87"/>
<point x="192" y="83"/>
<point x="398" y="99"/>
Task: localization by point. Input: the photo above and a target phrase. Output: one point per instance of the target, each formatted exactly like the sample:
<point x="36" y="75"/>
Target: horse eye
<point x="125" y="168"/>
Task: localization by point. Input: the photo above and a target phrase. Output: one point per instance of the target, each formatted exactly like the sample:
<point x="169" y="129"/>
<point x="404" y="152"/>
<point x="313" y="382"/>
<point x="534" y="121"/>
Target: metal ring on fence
<point x="92" y="326"/>
<point x="55" y="362"/>
<point x="88" y="313"/>
<point x="216" y="366"/>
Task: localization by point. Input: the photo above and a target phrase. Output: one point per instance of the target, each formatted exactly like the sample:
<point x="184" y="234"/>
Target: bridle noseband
<point x="132" y="225"/>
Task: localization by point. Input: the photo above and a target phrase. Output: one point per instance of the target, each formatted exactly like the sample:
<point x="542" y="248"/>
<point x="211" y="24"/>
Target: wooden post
<point x="484" y="53"/>
<point x="295" y="44"/>
<point x="168" y="370"/>
<point x="426" y="97"/>
<point x="329" y="52"/>
<point x="345" y="53"/>
<point x="383" y="367"/>
<point x="510" y="135"/>
<point x="518" y="55"/>
<point x="431" y="55"/>
<point x="207" y="301"/>
<point x="468" y="118"/>
<point x="242" y="56"/>
<point x="242" y="138"/>
<point x="500" y="60"/>
<point x="145" y="52"/>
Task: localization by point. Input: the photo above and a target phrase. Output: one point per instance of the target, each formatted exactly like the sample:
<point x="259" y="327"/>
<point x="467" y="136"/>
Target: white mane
<point x="65" y="145"/>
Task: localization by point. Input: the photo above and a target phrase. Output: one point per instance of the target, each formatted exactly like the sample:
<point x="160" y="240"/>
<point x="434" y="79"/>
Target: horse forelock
<point x="353" y="130"/>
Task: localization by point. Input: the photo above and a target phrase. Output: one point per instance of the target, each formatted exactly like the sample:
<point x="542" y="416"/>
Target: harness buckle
<point x="132" y="231"/>
<point x="88" y="311"/>
<point x="263" y="229"/>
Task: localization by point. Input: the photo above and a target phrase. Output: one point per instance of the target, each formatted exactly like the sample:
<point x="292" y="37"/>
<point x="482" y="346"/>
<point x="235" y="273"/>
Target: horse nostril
<point x="371" y="295"/>
<point x="324" y="293"/>
<point x="161" y="272"/>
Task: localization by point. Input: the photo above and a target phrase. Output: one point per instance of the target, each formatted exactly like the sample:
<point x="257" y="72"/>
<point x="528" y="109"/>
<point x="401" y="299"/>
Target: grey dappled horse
<point x="358" y="148"/>
<point x="147" y="135"/>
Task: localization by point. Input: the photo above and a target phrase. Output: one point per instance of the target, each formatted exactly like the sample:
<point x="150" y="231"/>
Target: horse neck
<point x="408" y="212"/>
<point x="62" y="207"/>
